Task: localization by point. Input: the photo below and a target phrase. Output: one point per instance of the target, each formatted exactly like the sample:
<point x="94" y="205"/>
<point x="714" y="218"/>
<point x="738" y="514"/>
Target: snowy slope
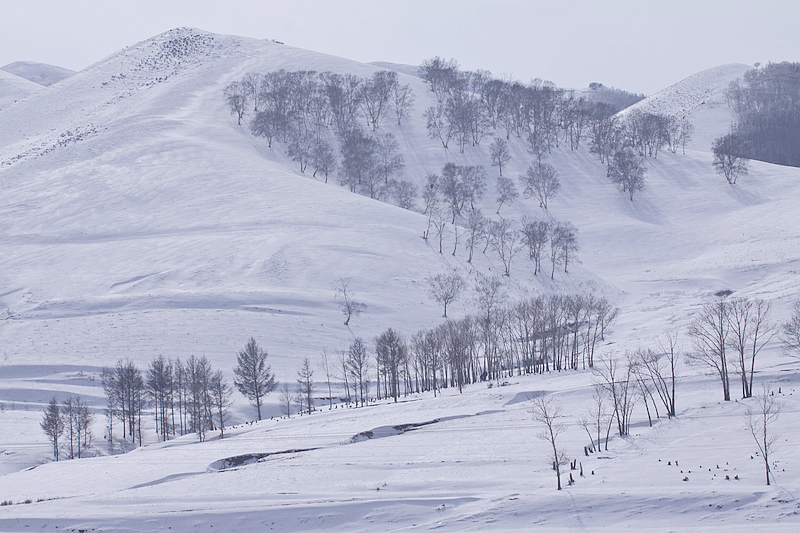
<point x="701" y="99"/>
<point x="138" y="219"/>
<point x="13" y="88"/>
<point x="409" y="70"/>
<point x="39" y="73"/>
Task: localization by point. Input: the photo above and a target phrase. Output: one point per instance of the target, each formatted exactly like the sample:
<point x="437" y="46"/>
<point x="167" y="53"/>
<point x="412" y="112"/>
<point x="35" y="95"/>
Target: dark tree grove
<point x="767" y="105"/>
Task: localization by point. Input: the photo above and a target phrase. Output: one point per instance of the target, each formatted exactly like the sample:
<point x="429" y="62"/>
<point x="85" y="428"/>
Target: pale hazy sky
<point x="637" y="45"/>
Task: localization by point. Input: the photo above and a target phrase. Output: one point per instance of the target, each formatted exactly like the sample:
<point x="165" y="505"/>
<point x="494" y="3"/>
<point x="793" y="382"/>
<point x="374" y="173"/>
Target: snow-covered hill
<point x="138" y="219"/>
<point x="39" y="73"/>
<point x="701" y="99"/>
<point x="13" y="88"/>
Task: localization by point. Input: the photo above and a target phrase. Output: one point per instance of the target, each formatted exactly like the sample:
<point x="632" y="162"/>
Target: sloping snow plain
<point x="13" y="88"/>
<point x="138" y="219"/>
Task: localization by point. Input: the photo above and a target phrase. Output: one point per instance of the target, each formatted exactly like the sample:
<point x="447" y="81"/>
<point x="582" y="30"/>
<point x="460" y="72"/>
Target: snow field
<point x="138" y="219"/>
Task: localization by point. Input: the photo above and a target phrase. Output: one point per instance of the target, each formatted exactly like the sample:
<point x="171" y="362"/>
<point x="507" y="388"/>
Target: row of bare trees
<point x="530" y="336"/>
<point x="185" y="397"/>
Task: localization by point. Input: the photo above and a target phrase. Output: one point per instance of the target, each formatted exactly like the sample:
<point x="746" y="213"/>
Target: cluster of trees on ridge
<point x="312" y="112"/>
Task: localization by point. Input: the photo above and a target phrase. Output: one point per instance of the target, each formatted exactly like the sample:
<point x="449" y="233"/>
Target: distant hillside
<point x="40" y="73"/>
<point x="617" y="98"/>
<point x="13" y="88"/>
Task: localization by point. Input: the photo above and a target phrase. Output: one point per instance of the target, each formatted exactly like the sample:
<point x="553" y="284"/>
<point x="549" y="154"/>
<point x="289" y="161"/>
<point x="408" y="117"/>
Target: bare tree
<point x="438" y="127"/>
<point x="709" y="333"/>
<point x="286" y="400"/>
<point x="506" y="192"/>
<point x="662" y="369"/>
<point x="619" y="385"/>
<point x="347" y="304"/>
<point x="323" y="159"/>
<point x="627" y="171"/>
<point x="439" y="220"/>
<point x="750" y="330"/>
<point x="264" y="124"/>
<point x="547" y="412"/>
<point x="325" y="363"/>
<point x="535" y="235"/>
<point x="564" y="239"/>
<point x="305" y="385"/>
<point x="430" y="195"/>
<point x="729" y="159"/>
<point x="377" y="93"/>
<point x="540" y="182"/>
<point x="220" y="395"/>
<point x="236" y="96"/>
<point x="358" y="370"/>
<point x="403" y="101"/>
<point x="404" y="194"/>
<point x="390" y="354"/>
<point x="498" y="151"/>
<point x="790" y="333"/>
<point x="254" y="378"/>
<point x="760" y="423"/>
<point x="53" y="424"/>
<point x="505" y="241"/>
<point x="476" y="225"/>
<point x="390" y="162"/>
<point x="445" y="288"/>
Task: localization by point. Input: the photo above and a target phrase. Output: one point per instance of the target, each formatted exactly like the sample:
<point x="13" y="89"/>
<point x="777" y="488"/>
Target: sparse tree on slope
<point x="535" y="235"/>
<point x="760" y="421"/>
<point x="728" y="158"/>
<point x="498" y="151"/>
<point x="541" y="182"/>
<point x="627" y="172"/>
<point x="347" y="304"/>
<point x="236" y="96"/>
<point x="445" y="288"/>
<point x="323" y="159"/>
<point x="254" y="378"/>
<point x="403" y="101"/>
<point x="506" y="192"/>
<point x="547" y="412"/>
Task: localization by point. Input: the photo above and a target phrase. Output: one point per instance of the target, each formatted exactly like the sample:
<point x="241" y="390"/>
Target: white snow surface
<point x="13" y="88"/>
<point x="39" y="73"/>
<point x="139" y="219"/>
